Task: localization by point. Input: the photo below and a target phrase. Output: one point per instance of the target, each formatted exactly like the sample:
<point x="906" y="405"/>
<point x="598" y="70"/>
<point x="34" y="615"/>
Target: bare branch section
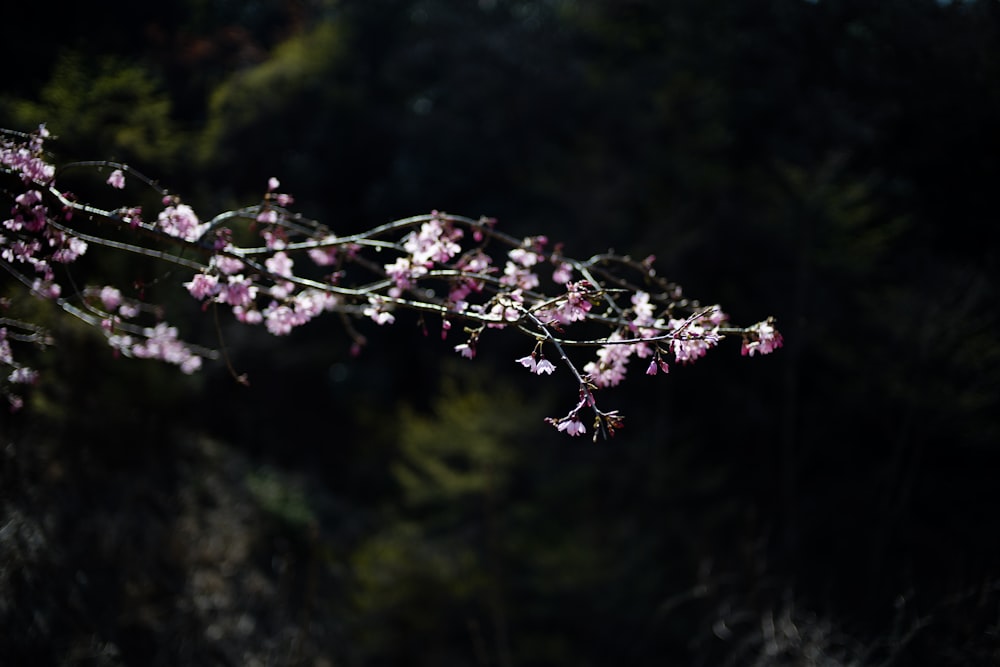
<point x="270" y="267"/>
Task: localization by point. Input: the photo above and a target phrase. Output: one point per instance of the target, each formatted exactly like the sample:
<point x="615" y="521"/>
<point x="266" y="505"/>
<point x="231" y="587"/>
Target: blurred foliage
<point x="465" y="449"/>
<point x="830" y="162"/>
<point x="108" y="107"/>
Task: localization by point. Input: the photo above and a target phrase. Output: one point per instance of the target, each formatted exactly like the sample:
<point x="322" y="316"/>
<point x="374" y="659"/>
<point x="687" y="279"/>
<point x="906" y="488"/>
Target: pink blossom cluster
<point x="179" y="220"/>
<point x="440" y="266"/>
<point x="31" y="245"/>
<point x="761" y="338"/>
<point x="159" y="342"/>
<point x="14" y="372"/>
<point x="24" y="157"/>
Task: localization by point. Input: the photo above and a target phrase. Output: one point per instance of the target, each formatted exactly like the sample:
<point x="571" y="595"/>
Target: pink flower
<point x="29" y="198"/>
<point x="6" y="356"/>
<point x="191" y="364"/>
<point x="528" y="362"/>
<point x="238" y="291"/>
<point x="516" y="276"/>
<point x="544" y="366"/>
<point x="227" y="265"/>
<point x="110" y="297"/>
<point x="180" y="221"/>
<point x="434" y="242"/>
<point x="324" y="256"/>
<point x="161" y="343"/>
<point x="273" y="184"/>
<point x="536" y="365"/>
<point x="275" y="240"/>
<point x="403" y="272"/>
<point x="117" y="179"/>
<point x="46" y="289"/>
<point x="201" y="286"/>
<point x="525" y="258"/>
<point x="23" y="375"/>
<point x="247" y="315"/>
<point x="657" y="365"/>
<point x="642" y="308"/>
<point x="280" y="320"/>
<point x="612" y="363"/>
<point x="572" y="426"/>
<point x="763" y="339"/>
<point x="575" y="307"/>
<point x="280" y="264"/>
<point x="128" y="310"/>
<point x="562" y="274"/>
<point x="70" y="251"/>
<point x="376" y="310"/>
<point x="267" y="216"/>
<point x="466" y="350"/>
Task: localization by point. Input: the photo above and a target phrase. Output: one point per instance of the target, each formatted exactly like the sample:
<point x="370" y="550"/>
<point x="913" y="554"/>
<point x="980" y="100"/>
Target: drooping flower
<point x="572" y="426"/>
<point x="528" y="362"/>
<point x="544" y="366"/>
<point x="117" y="179"/>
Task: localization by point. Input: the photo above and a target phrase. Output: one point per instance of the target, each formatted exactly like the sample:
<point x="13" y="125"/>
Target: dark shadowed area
<point x="833" y="163"/>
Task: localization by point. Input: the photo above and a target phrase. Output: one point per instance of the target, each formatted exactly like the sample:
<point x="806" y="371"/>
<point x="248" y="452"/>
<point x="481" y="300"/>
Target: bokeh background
<point x="833" y="163"/>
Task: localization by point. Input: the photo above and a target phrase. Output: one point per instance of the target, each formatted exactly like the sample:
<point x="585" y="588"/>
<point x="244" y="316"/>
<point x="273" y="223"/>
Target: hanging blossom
<point x="536" y="362"/>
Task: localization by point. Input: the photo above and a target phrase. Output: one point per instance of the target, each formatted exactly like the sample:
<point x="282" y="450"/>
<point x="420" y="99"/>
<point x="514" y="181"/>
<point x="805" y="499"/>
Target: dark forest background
<point x="832" y="163"/>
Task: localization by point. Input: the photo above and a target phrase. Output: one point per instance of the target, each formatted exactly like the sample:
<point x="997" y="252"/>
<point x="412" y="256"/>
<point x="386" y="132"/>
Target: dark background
<point x="832" y="163"/>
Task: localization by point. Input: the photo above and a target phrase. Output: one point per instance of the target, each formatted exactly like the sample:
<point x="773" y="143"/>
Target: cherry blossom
<point x="761" y="338"/>
<point x="180" y="220"/>
<point x="572" y="426"/>
<point x="458" y="270"/>
<point x="117" y="179"/>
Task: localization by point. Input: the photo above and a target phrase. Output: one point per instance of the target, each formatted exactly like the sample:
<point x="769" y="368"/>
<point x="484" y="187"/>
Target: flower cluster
<point x="761" y="338"/>
<point x="14" y="372"/>
<point x="292" y="270"/>
<point x="159" y="342"/>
